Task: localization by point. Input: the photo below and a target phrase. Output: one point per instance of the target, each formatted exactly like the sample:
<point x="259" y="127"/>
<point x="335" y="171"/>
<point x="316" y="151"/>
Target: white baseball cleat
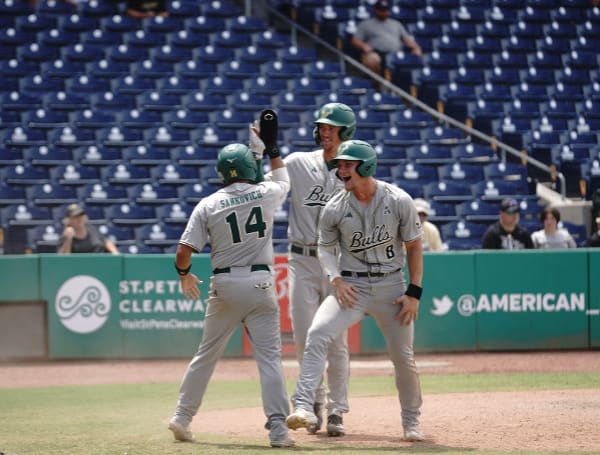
<point x="181" y="432"/>
<point x="413" y="434"/>
<point x="301" y="418"/>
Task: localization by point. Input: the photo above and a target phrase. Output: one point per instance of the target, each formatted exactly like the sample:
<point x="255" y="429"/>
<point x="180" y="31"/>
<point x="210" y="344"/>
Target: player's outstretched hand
<point x="189" y="286"/>
<point x="256" y="145"/>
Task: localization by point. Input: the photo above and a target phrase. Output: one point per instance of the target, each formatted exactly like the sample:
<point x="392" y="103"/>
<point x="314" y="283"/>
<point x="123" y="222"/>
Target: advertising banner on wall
<point x="106" y="306"/>
<point x="531" y="300"/>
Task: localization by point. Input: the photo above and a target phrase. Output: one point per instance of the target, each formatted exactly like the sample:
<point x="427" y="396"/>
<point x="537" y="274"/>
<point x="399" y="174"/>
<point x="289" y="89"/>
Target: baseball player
<point x="368" y="224"/>
<point x="238" y="221"/>
<point x="313" y="183"/>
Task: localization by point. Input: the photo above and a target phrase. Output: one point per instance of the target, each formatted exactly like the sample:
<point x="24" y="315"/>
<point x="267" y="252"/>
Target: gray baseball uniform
<point x="238" y="221"/>
<point x="371" y="240"/>
<point x="312" y="185"/>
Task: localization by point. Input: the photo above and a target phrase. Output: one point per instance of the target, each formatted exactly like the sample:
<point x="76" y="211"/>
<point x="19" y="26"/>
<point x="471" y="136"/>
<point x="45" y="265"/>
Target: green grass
<point x="129" y="419"/>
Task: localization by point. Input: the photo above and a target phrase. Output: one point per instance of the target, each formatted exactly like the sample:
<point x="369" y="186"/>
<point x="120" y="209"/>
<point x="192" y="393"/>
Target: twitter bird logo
<point x="442" y="306"/>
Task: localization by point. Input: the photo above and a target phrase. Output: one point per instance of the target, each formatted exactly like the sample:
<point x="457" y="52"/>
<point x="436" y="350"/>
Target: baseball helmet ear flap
<point x="355" y="150"/>
<point x="336" y="114"/>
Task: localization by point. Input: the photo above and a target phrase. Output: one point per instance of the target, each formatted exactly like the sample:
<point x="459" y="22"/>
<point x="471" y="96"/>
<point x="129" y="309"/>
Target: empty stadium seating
<point x="96" y="106"/>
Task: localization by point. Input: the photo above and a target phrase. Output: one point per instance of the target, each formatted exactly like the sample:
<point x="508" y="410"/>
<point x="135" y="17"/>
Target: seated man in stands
<point x="81" y="237"/>
<point x="380" y="35"/>
<point x="506" y="234"/>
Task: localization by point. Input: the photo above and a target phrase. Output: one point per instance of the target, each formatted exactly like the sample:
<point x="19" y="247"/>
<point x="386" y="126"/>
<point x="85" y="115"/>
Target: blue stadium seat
<point x="140" y="119"/>
<point x="192" y="155"/>
<point x="92" y="119"/>
<point x="223" y="9"/>
<point x="24" y="215"/>
<point x="478" y="211"/>
<point x="200" y="101"/>
<point x="187" y="39"/>
<point x="75" y="174"/>
<point x="195" y="70"/>
<point x="45" y="119"/>
<point x="71" y="137"/>
<point x="411" y="171"/>
<point x="151" y="69"/>
<point x="174" y="174"/>
<point x="265" y="85"/>
<point x="143" y="155"/>
<point x="131" y="215"/>
<point x="45" y="238"/>
<point x="256" y="55"/>
<point x="239" y="69"/>
<point x="186" y="119"/>
<point x="119" y="23"/>
<point x="97" y="156"/>
<point x="159" y="101"/>
<point x="167" y="136"/>
<point x="221" y="85"/>
<point x="24" y="175"/>
<point x="496" y="189"/>
<point x="205" y="25"/>
<point x="174" y="214"/>
<point x="461" y="172"/>
<point x="213" y="55"/>
<point x="47" y="194"/>
<point x="12" y="195"/>
<point x="163" y="24"/>
<point x="44" y="156"/>
<point x="120" y="235"/>
<point x="152" y="194"/>
<point x="505" y="171"/>
<point x="447" y="191"/>
<point x="103" y="194"/>
<point x="232" y="119"/>
<point x="429" y="154"/>
<point x="251" y="102"/>
<point x="463" y="229"/>
<point x="192" y="193"/>
<point x="157" y="235"/>
<point x="126" y="174"/>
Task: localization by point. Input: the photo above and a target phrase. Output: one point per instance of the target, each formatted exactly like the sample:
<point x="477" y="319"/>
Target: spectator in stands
<point x="506" y="234"/>
<point x="432" y="240"/>
<point x="552" y="237"/>
<point x="380" y="35"/>
<point x="594" y="240"/>
<point x="81" y="237"/>
<point x="140" y="9"/>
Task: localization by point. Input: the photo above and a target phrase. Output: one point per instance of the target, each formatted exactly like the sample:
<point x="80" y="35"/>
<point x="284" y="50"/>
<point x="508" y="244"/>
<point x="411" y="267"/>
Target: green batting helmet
<point x="336" y="114"/>
<point x="355" y="150"/>
<point x="236" y="162"/>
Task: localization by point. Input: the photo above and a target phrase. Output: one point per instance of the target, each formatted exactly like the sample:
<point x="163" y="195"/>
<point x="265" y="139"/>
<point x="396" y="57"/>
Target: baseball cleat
<point x="278" y="434"/>
<point x="181" y="432"/>
<point x="285" y="442"/>
<point x="413" y="434"/>
<point x="300" y="418"/>
<point x="318" y="410"/>
<point x="335" y="425"/>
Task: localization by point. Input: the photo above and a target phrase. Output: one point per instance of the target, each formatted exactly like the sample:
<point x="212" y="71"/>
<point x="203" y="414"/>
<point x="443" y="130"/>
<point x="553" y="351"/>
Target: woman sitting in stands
<point x="81" y="237"/>
<point x="552" y="237"/>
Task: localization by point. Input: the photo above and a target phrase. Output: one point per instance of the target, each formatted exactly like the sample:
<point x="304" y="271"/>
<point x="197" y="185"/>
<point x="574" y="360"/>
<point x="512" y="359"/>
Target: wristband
<point x="414" y="291"/>
<point x="272" y="151"/>
<point x="183" y="272"/>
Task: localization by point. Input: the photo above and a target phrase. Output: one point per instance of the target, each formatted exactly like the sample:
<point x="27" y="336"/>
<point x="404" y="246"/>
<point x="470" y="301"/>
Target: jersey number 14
<point x="254" y="223"/>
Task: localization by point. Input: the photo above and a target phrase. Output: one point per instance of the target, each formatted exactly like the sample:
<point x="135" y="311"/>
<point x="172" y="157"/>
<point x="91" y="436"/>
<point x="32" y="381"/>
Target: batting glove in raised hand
<point x="269" y="127"/>
<point x="256" y="145"/>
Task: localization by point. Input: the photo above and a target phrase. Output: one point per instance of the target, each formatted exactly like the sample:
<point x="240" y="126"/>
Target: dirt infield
<point x="560" y="420"/>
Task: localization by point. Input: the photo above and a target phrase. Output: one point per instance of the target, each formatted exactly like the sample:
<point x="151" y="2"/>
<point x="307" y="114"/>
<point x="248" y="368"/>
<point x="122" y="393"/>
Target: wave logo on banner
<point x="83" y="304"/>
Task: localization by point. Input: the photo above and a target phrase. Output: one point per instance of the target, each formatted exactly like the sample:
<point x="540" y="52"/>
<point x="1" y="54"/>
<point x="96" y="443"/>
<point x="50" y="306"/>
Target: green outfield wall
<point x="130" y="306"/>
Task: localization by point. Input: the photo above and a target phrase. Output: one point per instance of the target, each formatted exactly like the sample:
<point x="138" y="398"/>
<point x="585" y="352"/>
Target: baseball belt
<point x="304" y="251"/>
<point x="367" y="274"/>
<point x="253" y="268"/>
